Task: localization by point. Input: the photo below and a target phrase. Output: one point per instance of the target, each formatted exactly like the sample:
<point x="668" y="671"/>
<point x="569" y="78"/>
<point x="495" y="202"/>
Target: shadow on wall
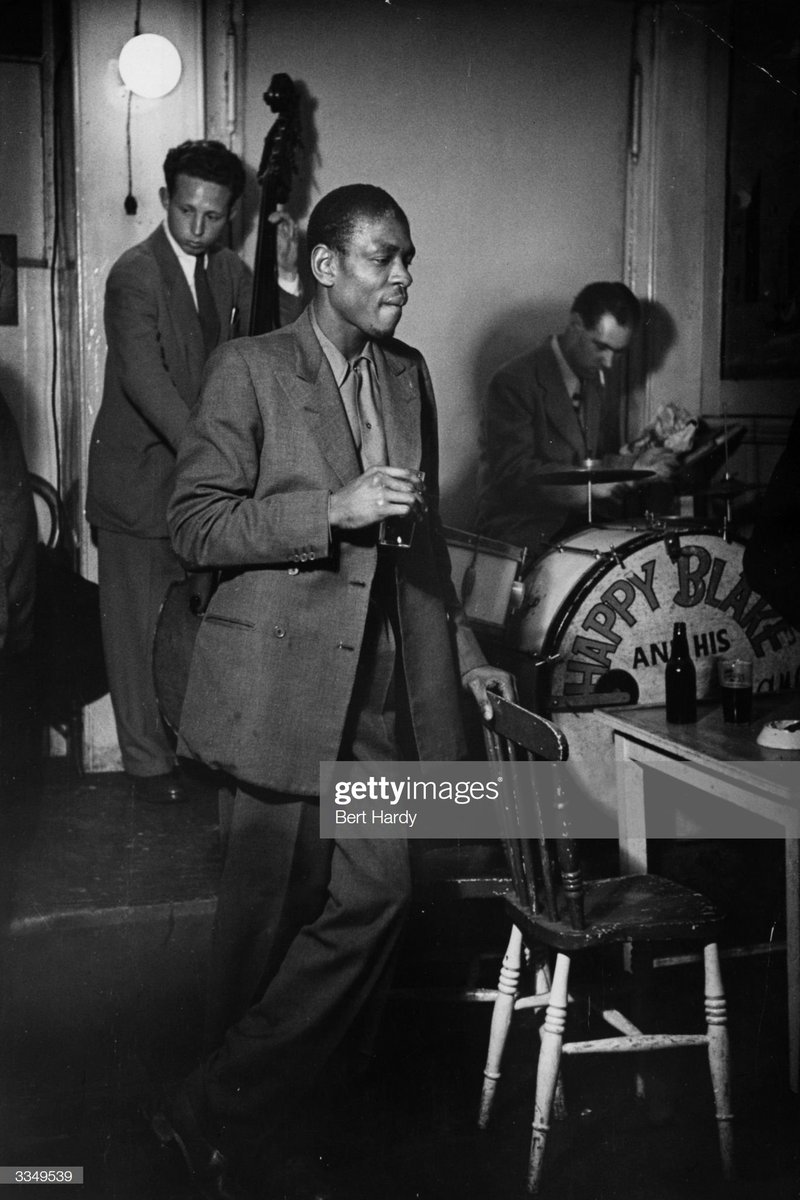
<point x="657" y="335"/>
<point x="303" y="185"/>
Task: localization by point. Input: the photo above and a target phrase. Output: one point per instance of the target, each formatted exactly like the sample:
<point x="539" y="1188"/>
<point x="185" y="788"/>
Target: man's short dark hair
<point x="335" y="217"/>
<point x="597" y="299"/>
<point x="205" y="160"/>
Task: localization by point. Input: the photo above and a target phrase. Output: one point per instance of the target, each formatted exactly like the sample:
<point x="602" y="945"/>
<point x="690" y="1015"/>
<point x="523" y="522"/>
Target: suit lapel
<point x="400" y="406"/>
<point x="558" y="405"/>
<point x="180" y="304"/>
<point x="314" y="390"/>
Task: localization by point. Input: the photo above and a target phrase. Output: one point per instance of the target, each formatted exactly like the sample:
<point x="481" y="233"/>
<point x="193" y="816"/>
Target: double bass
<point x="185" y="602"/>
<point x="278" y="165"/>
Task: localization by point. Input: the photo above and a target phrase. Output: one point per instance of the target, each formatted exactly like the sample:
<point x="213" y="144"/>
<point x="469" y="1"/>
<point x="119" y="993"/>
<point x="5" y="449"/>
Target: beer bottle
<point x="680" y="680"/>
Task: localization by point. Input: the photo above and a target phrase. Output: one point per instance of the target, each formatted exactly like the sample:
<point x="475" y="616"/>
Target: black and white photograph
<point x="399" y="611"/>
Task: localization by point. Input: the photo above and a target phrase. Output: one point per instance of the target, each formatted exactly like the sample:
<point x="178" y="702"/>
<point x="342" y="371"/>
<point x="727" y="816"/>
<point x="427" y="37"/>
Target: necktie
<point x="373" y="441"/>
<point x="209" y="321"/>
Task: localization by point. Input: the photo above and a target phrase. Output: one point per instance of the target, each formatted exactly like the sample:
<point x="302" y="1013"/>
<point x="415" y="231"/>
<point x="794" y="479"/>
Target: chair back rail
<point x="516" y="735"/>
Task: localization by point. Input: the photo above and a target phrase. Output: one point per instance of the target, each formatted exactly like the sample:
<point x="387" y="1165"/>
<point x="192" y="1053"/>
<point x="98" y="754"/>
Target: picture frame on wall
<point x="9" y="302"/>
<point x="761" y="297"/>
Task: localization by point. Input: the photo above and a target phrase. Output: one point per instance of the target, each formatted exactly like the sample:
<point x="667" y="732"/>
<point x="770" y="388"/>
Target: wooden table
<point x="726" y="762"/>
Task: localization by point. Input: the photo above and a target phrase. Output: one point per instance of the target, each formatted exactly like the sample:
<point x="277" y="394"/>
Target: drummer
<point x="554" y="407"/>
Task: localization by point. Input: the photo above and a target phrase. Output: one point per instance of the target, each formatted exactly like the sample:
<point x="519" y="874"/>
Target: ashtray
<point x="780" y="735"/>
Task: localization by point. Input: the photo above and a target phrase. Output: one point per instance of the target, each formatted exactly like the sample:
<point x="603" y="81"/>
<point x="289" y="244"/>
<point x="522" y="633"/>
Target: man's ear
<point x="163" y="196"/>
<point x="323" y="265"/>
<point x="576" y="322"/>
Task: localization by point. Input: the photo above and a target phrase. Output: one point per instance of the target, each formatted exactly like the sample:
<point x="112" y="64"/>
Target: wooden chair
<point x="50" y="518"/>
<point x="69" y="653"/>
<point x="551" y="905"/>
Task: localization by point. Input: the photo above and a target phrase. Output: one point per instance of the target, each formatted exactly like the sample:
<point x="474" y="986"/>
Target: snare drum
<point x="485" y="574"/>
<point x="607" y="597"/>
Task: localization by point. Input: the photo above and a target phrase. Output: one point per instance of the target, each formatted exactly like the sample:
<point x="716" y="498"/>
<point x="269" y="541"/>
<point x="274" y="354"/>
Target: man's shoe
<point x="160" y="789"/>
<point x="208" y="1166"/>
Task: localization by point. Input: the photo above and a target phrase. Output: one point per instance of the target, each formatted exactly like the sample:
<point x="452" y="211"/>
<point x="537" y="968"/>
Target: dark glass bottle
<point x="680" y="680"/>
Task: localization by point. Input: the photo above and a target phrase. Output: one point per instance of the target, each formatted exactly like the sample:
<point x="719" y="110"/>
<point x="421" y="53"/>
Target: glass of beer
<point x="398" y="531"/>
<point x="736" y="681"/>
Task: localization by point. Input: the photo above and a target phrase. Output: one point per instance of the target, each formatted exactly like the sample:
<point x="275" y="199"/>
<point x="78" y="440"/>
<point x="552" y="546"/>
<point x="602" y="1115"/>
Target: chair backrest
<point x="49" y="510"/>
<point x="516" y="735"/>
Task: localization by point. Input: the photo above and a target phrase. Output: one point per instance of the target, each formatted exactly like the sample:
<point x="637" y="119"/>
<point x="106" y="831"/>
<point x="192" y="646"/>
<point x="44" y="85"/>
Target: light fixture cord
<point x="131" y="203"/>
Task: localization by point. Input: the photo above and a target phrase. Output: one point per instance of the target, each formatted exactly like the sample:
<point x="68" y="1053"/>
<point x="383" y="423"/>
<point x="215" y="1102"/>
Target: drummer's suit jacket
<point x="528" y="427"/>
<point x="275" y="659"/>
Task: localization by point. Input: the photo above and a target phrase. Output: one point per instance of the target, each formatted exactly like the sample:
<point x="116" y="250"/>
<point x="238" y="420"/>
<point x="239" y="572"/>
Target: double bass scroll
<point x="275" y="177"/>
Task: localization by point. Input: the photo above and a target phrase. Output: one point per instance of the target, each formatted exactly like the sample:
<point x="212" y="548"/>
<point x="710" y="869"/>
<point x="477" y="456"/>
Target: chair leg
<point x="543" y="986"/>
<point x="641" y="968"/>
<point x="719" y="1059"/>
<point x="548" y="1070"/>
<point x="507" y="988"/>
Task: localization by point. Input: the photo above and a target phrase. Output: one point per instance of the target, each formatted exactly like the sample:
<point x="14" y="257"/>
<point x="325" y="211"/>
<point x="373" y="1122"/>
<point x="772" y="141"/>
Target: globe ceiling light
<point x="150" y="65"/>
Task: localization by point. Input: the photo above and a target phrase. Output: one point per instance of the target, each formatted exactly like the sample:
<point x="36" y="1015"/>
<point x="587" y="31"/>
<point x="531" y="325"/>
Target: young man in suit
<point x="170" y="301"/>
<point x="553" y="407"/>
<point x="318" y="644"/>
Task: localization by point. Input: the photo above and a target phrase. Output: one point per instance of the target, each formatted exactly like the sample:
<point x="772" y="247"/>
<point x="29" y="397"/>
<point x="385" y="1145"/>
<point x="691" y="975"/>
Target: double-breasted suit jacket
<point x="276" y="656"/>
<point x="529" y="426"/>
<point x="154" y="367"/>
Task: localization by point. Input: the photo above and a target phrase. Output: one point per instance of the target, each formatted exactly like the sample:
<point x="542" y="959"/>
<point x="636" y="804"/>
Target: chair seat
<point x="636" y="907"/>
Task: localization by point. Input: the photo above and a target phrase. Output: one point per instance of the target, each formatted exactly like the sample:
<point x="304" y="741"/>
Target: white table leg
<point x="630" y="810"/>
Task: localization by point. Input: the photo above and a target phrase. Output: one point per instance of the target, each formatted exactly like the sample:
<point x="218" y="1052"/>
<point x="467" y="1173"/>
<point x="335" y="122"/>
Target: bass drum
<point x="602" y="606"/>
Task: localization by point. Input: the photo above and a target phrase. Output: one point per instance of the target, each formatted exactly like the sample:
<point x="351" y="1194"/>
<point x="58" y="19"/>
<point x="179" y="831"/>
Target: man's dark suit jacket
<point x="528" y="427"/>
<point x="152" y="380"/>
<point x="275" y="659"/>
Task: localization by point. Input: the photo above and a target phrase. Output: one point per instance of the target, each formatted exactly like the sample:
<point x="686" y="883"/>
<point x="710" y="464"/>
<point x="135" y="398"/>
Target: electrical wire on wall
<point x="131" y="204"/>
<point x="230" y="76"/>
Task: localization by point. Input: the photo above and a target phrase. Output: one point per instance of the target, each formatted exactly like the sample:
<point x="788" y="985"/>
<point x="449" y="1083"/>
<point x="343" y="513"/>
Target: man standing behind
<point x="169" y="302"/>
<point x="319" y="644"/>
<point x="556" y="407"/>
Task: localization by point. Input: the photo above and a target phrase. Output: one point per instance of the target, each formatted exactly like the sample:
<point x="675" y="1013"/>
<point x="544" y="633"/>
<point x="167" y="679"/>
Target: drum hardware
<point x="590" y="474"/>
<point x="590" y="551"/>
<point x="727" y="488"/>
<point x="662" y="521"/>
<point x="672" y="545"/>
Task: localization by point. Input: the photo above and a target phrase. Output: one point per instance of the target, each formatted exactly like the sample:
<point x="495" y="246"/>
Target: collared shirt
<point x="188" y="262"/>
<point x="344" y="375"/>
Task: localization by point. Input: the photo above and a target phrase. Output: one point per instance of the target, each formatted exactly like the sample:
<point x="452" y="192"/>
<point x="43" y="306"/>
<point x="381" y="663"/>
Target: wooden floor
<point x="107" y="907"/>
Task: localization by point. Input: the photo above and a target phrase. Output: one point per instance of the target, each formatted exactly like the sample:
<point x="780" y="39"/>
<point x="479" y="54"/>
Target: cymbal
<point x="593" y="475"/>
<point x="727" y="488"/>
